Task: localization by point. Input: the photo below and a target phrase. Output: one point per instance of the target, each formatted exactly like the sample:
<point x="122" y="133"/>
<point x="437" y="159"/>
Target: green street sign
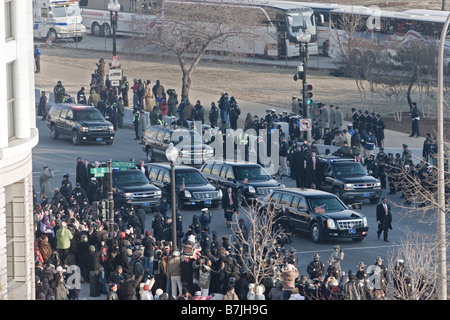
<point x="123" y="165"/>
<point x="99" y="172"/>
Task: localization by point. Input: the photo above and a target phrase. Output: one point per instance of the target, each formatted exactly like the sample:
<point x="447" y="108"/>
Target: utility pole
<point x="441" y="232"/>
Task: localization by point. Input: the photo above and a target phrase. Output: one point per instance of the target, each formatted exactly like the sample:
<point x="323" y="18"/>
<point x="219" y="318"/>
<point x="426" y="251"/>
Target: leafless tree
<point x="260" y="245"/>
<point x="351" y="49"/>
<point x="414" y="267"/>
<point x="189" y="29"/>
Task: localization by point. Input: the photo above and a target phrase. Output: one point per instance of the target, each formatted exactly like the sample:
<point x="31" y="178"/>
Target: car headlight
<point x="111" y="128"/>
<point x="282" y="186"/>
<point x="158" y="192"/>
<point x="220" y="193"/>
<point x="348" y="186"/>
<point x="364" y="220"/>
<point x="251" y="189"/>
<point x="84" y="129"/>
<point x="187" y="194"/>
<point x="128" y="195"/>
<point x="330" y="224"/>
<point x="378" y="184"/>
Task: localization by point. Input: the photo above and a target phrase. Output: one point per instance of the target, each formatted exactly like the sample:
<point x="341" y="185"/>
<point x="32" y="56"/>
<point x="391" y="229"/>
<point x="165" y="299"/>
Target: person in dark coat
<point x="127" y="290"/>
<point x="213" y="115"/>
<point x="83" y="171"/>
<point x="229" y="205"/>
<point x="157" y="225"/>
<point x="298" y="167"/>
<point x="312" y="175"/>
<point x="384" y="219"/>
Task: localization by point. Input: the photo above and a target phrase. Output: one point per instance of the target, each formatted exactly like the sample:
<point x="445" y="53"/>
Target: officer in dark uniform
<point x="66" y="187"/>
<point x="157" y="225"/>
<point x="381" y="162"/>
<point x="361" y="121"/>
<point x="391" y="173"/>
<point x="205" y="242"/>
<point x="355" y="119"/>
<point x="205" y="219"/>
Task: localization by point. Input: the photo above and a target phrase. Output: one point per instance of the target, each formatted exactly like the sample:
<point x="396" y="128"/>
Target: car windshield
<point x="326" y="204"/>
<point x="88" y="115"/>
<point x="190" y="177"/>
<point x="252" y="173"/>
<point x="129" y="178"/>
<point x="66" y="11"/>
<point x="186" y="137"/>
<point x="349" y="169"/>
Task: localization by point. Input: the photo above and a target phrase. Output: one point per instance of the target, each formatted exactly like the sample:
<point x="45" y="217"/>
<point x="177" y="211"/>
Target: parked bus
<point x="54" y="20"/>
<point x="382" y="31"/>
<point x="276" y="34"/>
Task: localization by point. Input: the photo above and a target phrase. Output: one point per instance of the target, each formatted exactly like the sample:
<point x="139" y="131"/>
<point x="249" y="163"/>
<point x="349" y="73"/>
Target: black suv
<point x="321" y="214"/>
<point x="82" y="123"/>
<point x="134" y="185"/>
<point x="248" y="180"/>
<point x="348" y="179"/>
<point x="197" y="189"/>
<point x="189" y="143"/>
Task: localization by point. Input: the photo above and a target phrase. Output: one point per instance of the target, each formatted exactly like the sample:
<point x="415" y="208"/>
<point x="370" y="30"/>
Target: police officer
<point x="316" y="268"/>
<point x="381" y="162"/>
<point x="205" y="219"/>
<point x="157" y="224"/>
<point x="66" y="187"/>
<point x="205" y="242"/>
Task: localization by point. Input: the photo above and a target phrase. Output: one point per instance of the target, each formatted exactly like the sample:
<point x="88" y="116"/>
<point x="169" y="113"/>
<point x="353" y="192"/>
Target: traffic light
<point x="308" y="94"/>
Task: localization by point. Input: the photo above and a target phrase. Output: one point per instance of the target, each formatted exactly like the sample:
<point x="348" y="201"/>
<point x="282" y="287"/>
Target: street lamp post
<point x="303" y="39"/>
<point x="114" y="8"/>
<point x="172" y="156"/>
<point x="441" y="224"/>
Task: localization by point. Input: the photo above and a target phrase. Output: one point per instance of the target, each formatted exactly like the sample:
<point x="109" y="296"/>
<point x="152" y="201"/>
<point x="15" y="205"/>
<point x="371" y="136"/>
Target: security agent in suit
<point x="230" y="205"/>
<point x="384" y="219"/>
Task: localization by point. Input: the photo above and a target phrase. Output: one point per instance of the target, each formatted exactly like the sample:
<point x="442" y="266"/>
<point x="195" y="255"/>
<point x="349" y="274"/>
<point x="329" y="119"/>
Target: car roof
<point x="167" y="166"/>
<point x="73" y="106"/>
<point x="332" y="158"/>
<point x="305" y="192"/>
<point x="235" y="163"/>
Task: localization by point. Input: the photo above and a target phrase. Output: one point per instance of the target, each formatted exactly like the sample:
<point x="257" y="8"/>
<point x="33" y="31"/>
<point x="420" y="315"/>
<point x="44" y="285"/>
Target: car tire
<point x="149" y="155"/>
<point x="316" y="233"/>
<point x="76" y="138"/>
<point x="338" y="193"/>
<point x="374" y="200"/>
<point x="53" y="132"/>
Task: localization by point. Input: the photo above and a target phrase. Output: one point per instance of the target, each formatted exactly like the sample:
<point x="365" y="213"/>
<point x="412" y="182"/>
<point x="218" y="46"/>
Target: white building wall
<point x="17" y="257"/>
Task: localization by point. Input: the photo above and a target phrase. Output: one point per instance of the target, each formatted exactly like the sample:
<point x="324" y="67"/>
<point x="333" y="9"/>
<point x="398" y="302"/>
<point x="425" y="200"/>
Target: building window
<point x="10" y="77"/>
<point x="9" y="20"/>
<point x="9" y="232"/>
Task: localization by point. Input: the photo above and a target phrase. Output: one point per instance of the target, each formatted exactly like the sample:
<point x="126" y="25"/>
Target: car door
<point x="214" y="176"/>
<point x="158" y="146"/>
<point x="61" y="122"/>
<point x="326" y="179"/>
<point x="298" y="216"/>
<point x="164" y="183"/>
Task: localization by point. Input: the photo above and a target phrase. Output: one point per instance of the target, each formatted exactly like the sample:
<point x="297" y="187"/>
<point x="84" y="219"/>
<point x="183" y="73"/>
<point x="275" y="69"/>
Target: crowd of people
<point x="130" y="262"/>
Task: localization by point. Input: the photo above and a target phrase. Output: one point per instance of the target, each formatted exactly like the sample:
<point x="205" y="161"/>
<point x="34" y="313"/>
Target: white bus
<point x="276" y="35"/>
<point x="322" y="12"/>
<point x="384" y="31"/>
<point x="55" y="20"/>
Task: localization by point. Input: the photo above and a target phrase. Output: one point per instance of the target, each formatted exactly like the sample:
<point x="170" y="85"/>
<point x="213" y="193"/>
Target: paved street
<point x="61" y="155"/>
